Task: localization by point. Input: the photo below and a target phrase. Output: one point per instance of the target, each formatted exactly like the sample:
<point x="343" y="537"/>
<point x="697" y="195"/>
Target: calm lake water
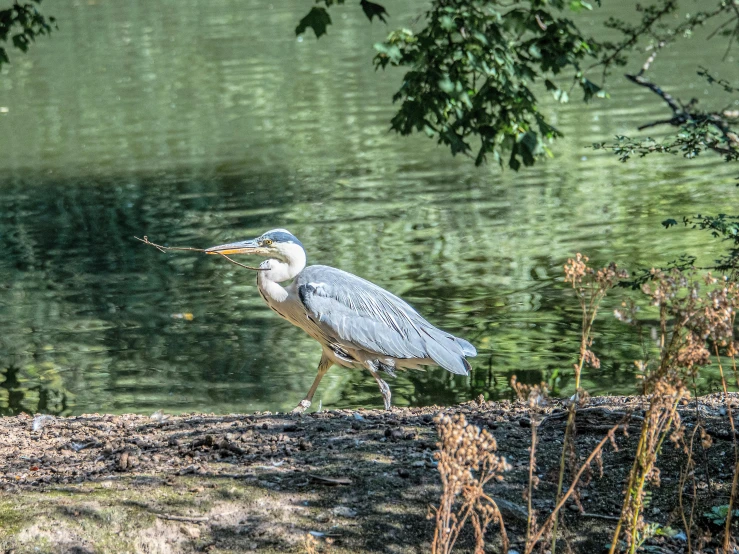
<point x="198" y="123"/>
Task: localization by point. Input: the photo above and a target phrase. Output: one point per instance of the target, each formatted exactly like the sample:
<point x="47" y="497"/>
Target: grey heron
<point x="357" y="323"/>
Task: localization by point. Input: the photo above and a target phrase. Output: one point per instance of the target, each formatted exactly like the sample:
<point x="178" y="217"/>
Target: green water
<point x="198" y="123"/>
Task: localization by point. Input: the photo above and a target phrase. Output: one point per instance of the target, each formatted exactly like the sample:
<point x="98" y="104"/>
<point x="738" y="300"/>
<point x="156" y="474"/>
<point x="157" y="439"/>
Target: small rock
<point x="158" y="416"/>
<point x="191" y="531"/>
<point x="123" y="461"/>
<point x="344" y="511"/>
<point x="403" y="473"/>
<point x="40" y="421"/>
<point x="205" y="441"/>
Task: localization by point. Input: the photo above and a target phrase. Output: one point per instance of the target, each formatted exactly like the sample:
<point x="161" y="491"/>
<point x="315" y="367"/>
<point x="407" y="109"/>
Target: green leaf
<point x="447" y="23"/>
<point x="513" y="163"/>
<point x="446" y="85"/>
<point x="317" y="19"/>
<point x="577" y="5"/>
<point x="373" y="10"/>
<point x="20" y="41"/>
<point x="590" y="89"/>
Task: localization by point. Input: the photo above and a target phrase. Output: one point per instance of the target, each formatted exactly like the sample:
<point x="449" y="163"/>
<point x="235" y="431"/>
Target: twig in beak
<point x="161" y="248"/>
<point x="241" y="265"/>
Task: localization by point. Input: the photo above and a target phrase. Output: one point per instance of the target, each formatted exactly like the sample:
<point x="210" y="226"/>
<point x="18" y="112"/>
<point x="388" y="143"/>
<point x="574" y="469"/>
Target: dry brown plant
<point x="590" y="287"/>
<point x="735" y="480"/>
<point x="689" y="322"/>
<point x="688" y="472"/>
<point x="310" y="544"/>
<point x="594" y="456"/>
<point x="467" y="462"/>
<point x="536" y="397"/>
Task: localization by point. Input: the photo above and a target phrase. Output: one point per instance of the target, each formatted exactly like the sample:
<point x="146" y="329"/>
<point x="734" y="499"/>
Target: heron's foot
<point x="301" y="407"/>
<point x="386" y="394"/>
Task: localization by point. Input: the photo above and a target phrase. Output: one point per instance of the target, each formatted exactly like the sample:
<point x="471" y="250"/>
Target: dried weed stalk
<point x="689" y="321"/>
<point x="735" y="481"/>
<point x="590" y="286"/>
<point x="594" y="456"/>
<point x="688" y="472"/>
<point x="310" y="544"/>
<point x="536" y="396"/>
<point x="467" y="462"/>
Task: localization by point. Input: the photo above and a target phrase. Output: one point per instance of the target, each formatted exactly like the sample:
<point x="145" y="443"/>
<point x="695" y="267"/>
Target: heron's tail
<point x="449" y="351"/>
<point x="467" y="348"/>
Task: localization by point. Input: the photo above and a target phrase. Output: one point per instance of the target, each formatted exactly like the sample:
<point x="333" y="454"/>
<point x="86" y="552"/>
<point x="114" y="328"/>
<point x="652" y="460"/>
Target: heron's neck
<point x="274" y="271"/>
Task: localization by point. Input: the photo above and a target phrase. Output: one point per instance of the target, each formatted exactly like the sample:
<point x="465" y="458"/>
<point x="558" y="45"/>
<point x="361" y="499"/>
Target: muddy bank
<point x="361" y="481"/>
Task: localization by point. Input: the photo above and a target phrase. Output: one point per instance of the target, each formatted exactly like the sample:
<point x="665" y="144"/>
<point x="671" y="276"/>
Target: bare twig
<point x="682" y="115"/>
<point x="161" y="248"/>
<point x="634" y="36"/>
<point x="599" y="516"/>
<point x="735" y="479"/>
<point x="550" y="520"/>
<point x="641" y="81"/>
<point x="651" y="58"/>
<point x="181" y="518"/>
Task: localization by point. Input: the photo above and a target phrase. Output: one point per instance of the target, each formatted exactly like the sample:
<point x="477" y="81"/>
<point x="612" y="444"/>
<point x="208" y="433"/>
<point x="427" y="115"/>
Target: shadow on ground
<point x="355" y="481"/>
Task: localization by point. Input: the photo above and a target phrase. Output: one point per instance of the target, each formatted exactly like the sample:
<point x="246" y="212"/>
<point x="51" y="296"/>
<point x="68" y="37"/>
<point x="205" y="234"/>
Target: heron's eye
<point x="267" y="242"/>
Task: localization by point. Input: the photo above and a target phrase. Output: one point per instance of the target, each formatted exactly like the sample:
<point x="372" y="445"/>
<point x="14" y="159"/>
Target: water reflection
<point x="198" y="126"/>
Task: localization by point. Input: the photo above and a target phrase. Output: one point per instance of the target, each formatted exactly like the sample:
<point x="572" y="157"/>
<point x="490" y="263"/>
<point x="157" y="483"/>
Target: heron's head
<point x="277" y="243"/>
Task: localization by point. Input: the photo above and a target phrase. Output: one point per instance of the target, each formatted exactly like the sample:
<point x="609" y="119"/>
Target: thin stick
<point x="187" y="519"/>
<point x="532" y="463"/>
<point x="727" y="530"/>
<point x="573" y="486"/>
<point x="161" y="248"/>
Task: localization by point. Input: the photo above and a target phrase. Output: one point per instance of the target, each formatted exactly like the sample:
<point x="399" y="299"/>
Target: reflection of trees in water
<point x="32" y="390"/>
<point x="76" y="278"/>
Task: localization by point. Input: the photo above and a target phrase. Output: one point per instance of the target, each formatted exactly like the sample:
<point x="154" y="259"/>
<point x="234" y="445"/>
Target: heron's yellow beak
<point x="243" y="247"/>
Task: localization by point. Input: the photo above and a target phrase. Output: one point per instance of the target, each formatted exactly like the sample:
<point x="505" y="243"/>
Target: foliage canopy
<point x="475" y="69"/>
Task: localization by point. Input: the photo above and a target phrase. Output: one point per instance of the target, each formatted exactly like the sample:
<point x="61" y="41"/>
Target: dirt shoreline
<point x="361" y="481"/>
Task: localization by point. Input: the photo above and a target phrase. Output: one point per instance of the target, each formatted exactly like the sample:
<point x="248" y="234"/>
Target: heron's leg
<point x="323" y="366"/>
<point x="384" y="389"/>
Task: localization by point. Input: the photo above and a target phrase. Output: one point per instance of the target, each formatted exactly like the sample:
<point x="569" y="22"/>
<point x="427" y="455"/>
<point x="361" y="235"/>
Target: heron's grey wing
<point x="360" y="313"/>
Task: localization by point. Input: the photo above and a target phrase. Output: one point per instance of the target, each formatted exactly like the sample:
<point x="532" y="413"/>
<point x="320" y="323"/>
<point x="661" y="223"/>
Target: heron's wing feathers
<point x="361" y="314"/>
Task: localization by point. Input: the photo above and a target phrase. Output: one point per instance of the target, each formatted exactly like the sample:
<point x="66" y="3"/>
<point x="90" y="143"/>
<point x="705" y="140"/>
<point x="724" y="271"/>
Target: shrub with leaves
<point x="471" y="73"/>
